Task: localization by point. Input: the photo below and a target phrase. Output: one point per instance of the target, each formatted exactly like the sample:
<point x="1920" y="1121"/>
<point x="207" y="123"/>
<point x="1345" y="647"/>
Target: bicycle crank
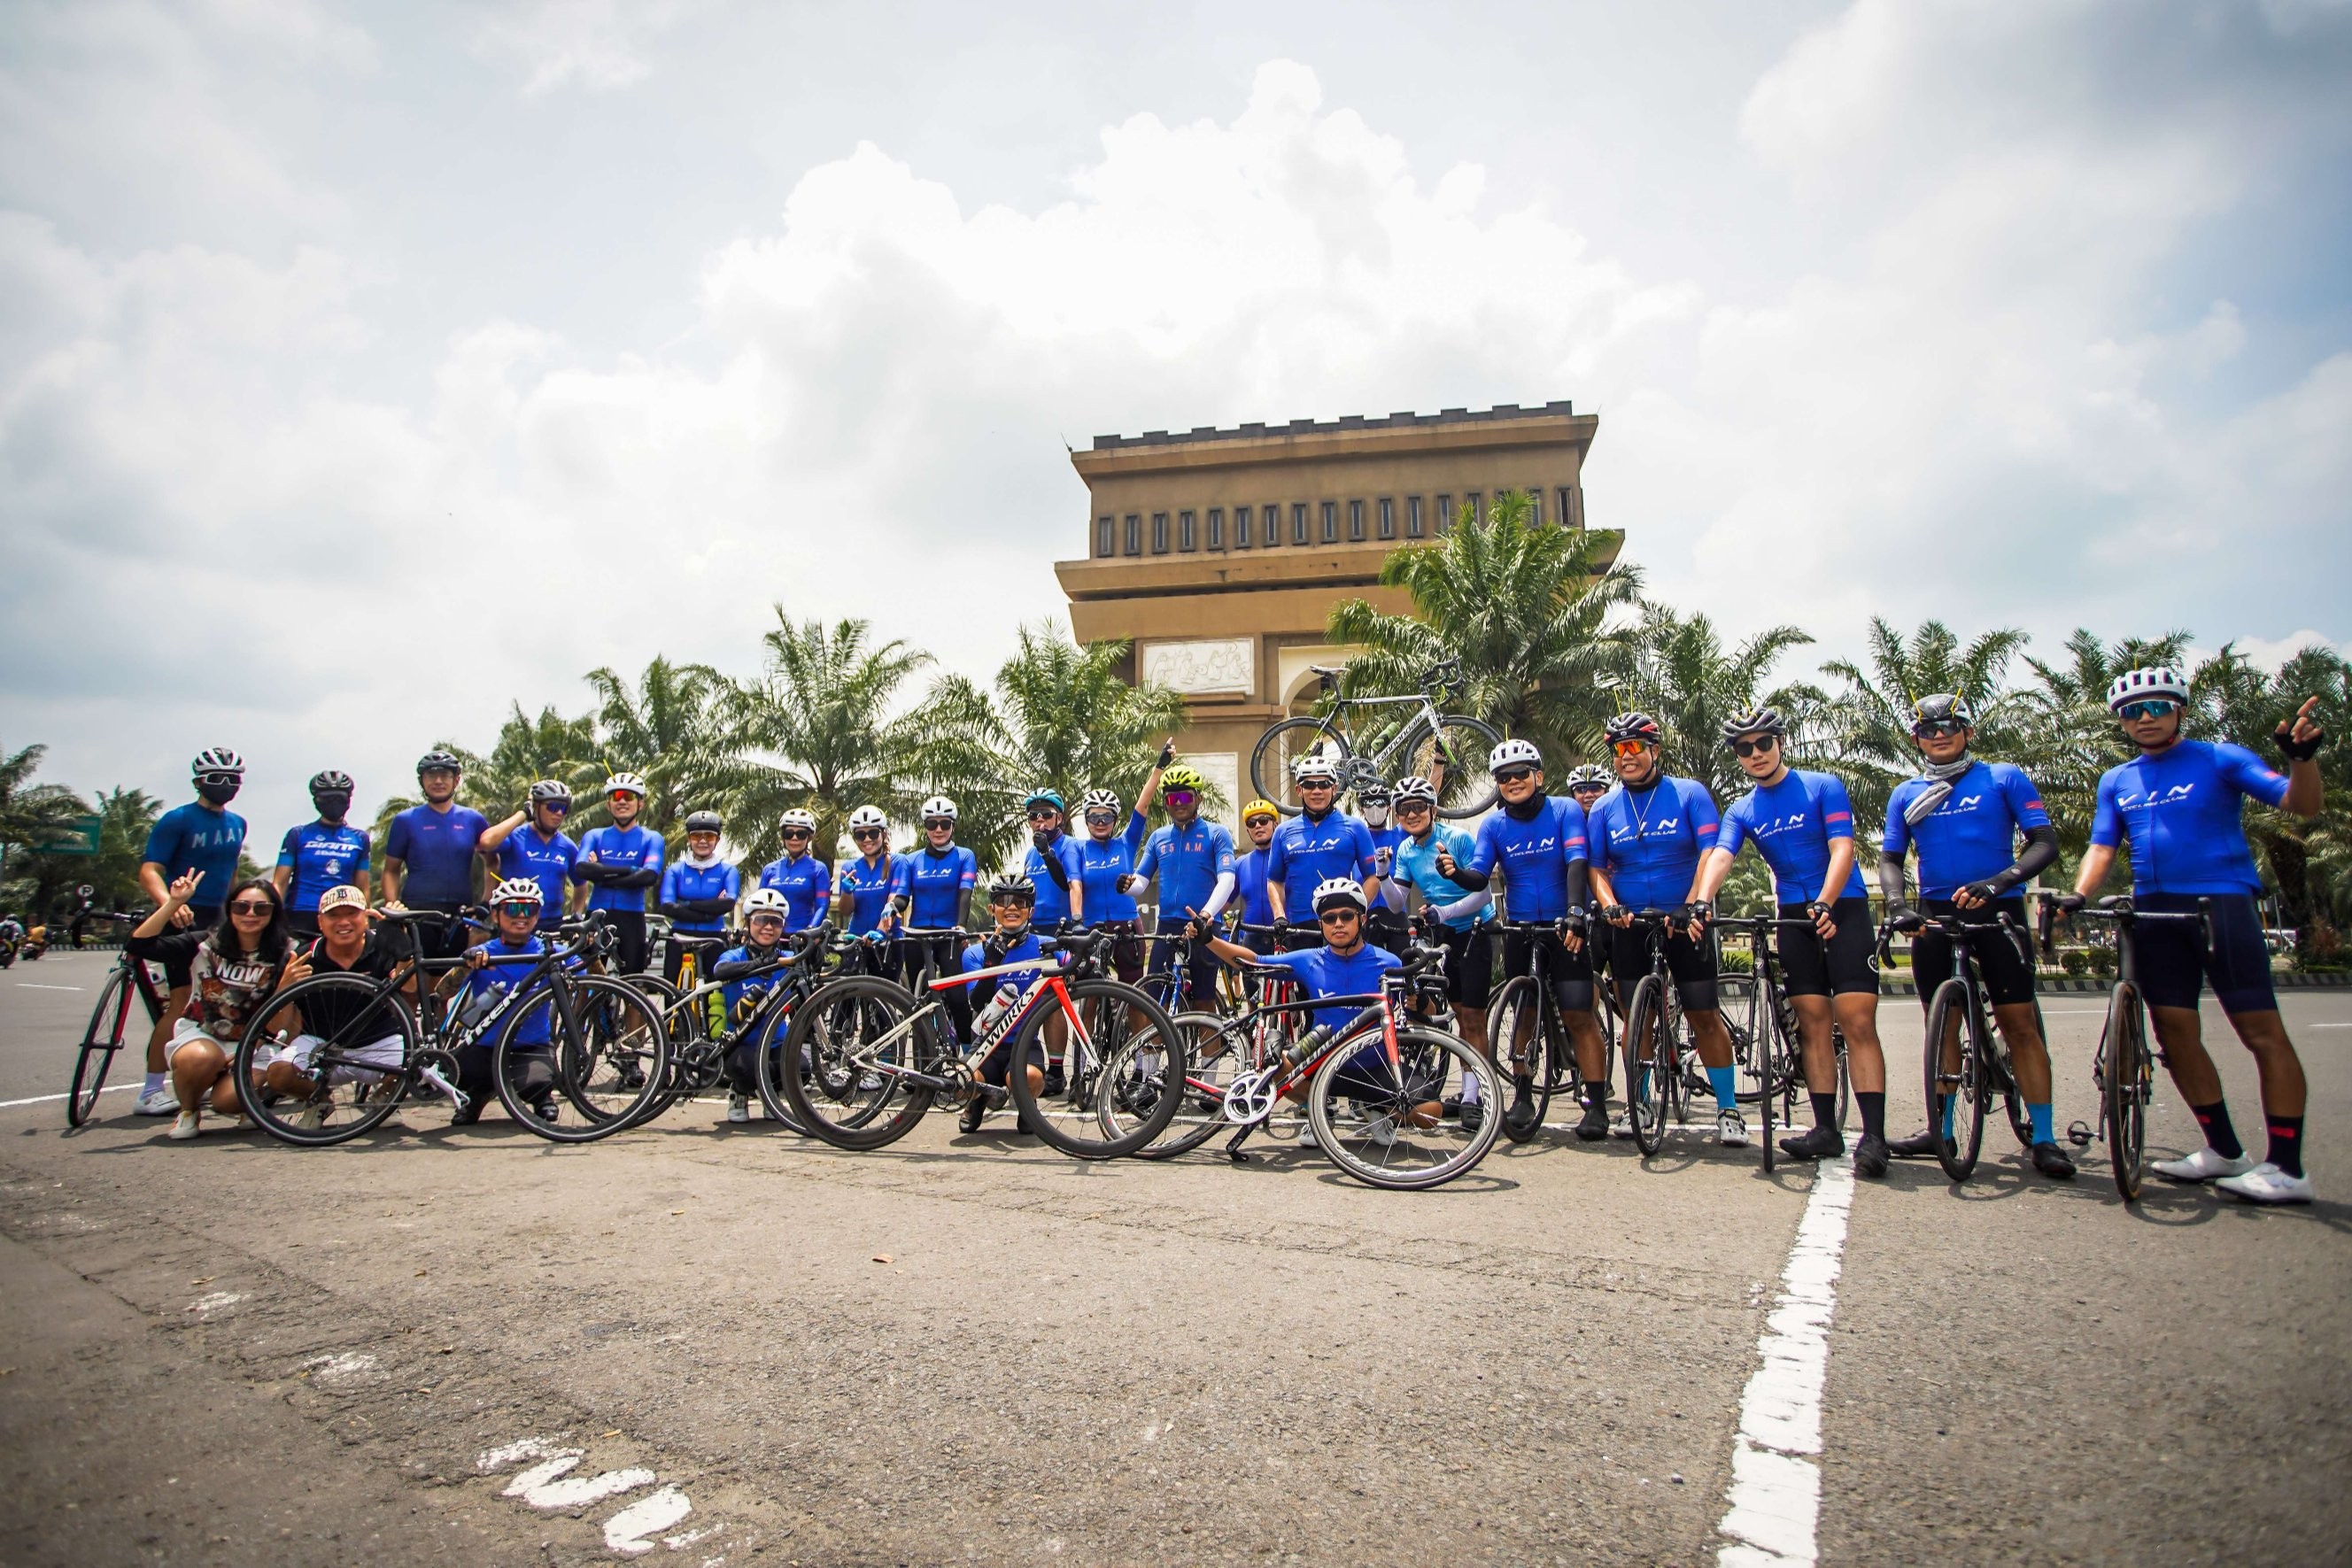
<point x="1249" y="1098"/>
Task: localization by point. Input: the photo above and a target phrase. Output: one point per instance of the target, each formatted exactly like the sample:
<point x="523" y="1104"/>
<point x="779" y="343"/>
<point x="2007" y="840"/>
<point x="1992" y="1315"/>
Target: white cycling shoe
<point x="1307" y="1138"/>
<point x="2204" y="1166"/>
<point x="162" y="1102"/>
<point x="738" y="1109"/>
<point x="2267" y="1183"/>
<point x="1731" y="1129"/>
<point x="186" y="1127"/>
<point x="1382" y="1131"/>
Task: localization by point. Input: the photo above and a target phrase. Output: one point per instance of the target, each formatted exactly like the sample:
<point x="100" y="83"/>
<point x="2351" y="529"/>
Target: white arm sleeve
<point x="1219" y="894"/>
<point x="1478" y="901"/>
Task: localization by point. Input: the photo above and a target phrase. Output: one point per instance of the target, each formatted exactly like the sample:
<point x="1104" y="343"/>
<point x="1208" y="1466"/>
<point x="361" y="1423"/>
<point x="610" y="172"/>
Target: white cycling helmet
<point x="868" y="816"/>
<point x="763" y="901"/>
<point x="1338" y="890"/>
<point x="516" y="890"/>
<point x="1413" y="787"/>
<point x="939" y="806"/>
<point x="797" y="818"/>
<point x="1514" y="752"/>
<point x="217" y="759"/>
<point x="626" y="784"/>
<point x="1314" y="765"/>
<point x="1099" y="801"/>
<point x="2156" y="681"/>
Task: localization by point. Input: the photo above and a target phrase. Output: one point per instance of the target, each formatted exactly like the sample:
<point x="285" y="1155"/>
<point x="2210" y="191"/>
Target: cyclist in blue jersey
<point x="1457" y="917"/>
<point x="532" y="843"/>
<point x="1320" y="845"/>
<point x="805" y="880"/>
<point x="517" y="906"/>
<point x="1537" y="843"/>
<point x="698" y="893"/>
<point x="1011" y="903"/>
<point x="1193" y="861"/>
<point x="1105" y="862"/>
<point x="1966" y="816"/>
<point x="1376" y="805"/>
<point x="1250" y="882"/>
<point x="2179" y="802"/>
<point x="1051" y="864"/>
<point x="429" y="855"/>
<point x="934" y="887"/>
<point x="203" y="837"/>
<point x="1803" y="824"/>
<point x="619" y="864"/>
<point x="316" y="856"/>
<point x="864" y="887"/>
<point x="744" y="984"/>
<point x="1588" y="781"/>
<point x="1646" y="837"/>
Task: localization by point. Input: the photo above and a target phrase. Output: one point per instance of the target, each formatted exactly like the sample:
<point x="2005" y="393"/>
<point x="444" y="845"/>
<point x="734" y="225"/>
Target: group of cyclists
<point x="1577" y="887"/>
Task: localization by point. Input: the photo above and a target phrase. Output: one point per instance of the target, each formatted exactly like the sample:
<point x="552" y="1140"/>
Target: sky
<point x="365" y="368"/>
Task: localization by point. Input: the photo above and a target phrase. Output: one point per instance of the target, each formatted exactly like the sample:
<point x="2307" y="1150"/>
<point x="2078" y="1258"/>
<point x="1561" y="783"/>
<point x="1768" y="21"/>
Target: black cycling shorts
<point x="1469" y="964"/>
<point x="1385" y="927"/>
<point x="1571" y="973"/>
<point x="179" y="968"/>
<point x="1841" y="967"/>
<point x="2008" y="973"/>
<point x="1126" y="950"/>
<point x="2174" y="961"/>
<point x="631" y="952"/>
<point x="1690" y="964"/>
<point x="1200" y="970"/>
<point x="445" y="939"/>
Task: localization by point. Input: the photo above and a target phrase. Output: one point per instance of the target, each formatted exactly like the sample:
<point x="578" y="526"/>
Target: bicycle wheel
<point x="1649" y="1065"/>
<point x="1120" y="1055"/>
<point x="358" y="1073"/>
<point x="1284" y="743"/>
<point x="1216" y="1051"/>
<point x="1380" y="1119"/>
<point x="1947" y="1011"/>
<point x="1520" y="1044"/>
<point x="848" y="1048"/>
<point x="99" y="1041"/>
<point x="2123" y="1048"/>
<point x="597" y="1073"/>
<point x="1456" y="753"/>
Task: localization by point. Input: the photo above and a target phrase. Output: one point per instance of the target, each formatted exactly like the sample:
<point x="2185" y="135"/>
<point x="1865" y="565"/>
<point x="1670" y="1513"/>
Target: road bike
<point x="1766" y="1049"/>
<point x="1964" y="1056"/>
<point x="1378" y="740"/>
<point x="2124" y="1071"/>
<point x="702" y="1033"/>
<point x="1660" y="1066"/>
<point x="1528" y="1033"/>
<point x="107" y="1032"/>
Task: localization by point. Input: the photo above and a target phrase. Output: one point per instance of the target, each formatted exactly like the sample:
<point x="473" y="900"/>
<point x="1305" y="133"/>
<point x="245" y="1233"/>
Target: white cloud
<point x="597" y="45"/>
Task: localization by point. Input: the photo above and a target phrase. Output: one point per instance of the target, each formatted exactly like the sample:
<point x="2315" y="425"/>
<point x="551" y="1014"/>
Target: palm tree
<point x="823" y="730"/>
<point x="1866" y="729"/>
<point x="33" y="814"/>
<point x="668" y="731"/>
<point x="1534" y="617"/>
<point x="124" y="819"/>
<point x="1684" y="677"/>
<point x="1059" y="717"/>
<point x="528" y="750"/>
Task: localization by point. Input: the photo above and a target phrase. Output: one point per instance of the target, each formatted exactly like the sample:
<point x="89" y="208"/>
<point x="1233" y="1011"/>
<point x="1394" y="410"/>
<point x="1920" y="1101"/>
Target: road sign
<point x="80" y="839"/>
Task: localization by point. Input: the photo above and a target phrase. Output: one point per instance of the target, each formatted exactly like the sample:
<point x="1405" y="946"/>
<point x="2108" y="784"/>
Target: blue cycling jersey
<point x="1188" y="860"/>
<point x="1323" y="973"/>
<point x="1416" y="865"/>
<point x="1053" y="898"/>
<point x="1535" y="855"/>
<point x="436" y="852"/>
<point x="2180" y="808"/>
<point x="806" y="884"/>
<point x="1306" y="852"/>
<point x="1101" y="864"/>
<point x="320" y="856"/>
<point x="732" y="992"/>
<point x="685" y="881"/>
<point x="936" y="881"/>
<point x="869" y="885"/>
<point x="486" y="985"/>
<point x="1972" y="835"/>
<point x="547" y="862"/>
<point x="196" y="838"/>
<point x="1385" y="842"/>
<point x="633" y="848"/>
<point x="1249" y="885"/>
<point x="1649" y="841"/>
<point x="975" y="956"/>
<point x="1792" y="822"/>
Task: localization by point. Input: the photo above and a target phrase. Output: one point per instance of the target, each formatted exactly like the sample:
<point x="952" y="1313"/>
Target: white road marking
<point x="2325" y="1026"/>
<point x="632" y="1531"/>
<point x="214" y="1301"/>
<point x="1775" y="1477"/>
<point x="36" y="985"/>
<point x="43" y="1099"/>
<point x="349" y="1367"/>
<point x="514" y="1454"/>
<point x="542" y="1485"/>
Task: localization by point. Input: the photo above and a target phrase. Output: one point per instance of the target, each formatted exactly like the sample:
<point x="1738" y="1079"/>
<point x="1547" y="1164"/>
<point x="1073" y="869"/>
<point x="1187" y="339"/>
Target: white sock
<point x="155" y="1080"/>
<point x="1469" y="1090"/>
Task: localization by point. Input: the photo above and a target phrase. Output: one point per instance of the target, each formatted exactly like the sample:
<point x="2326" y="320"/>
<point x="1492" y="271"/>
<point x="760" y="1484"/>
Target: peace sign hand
<point x="2300" y="738"/>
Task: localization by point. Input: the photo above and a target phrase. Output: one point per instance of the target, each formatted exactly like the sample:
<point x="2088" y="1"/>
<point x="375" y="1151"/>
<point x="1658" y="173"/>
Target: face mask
<point x="331" y="805"/>
<point x="217" y="794"/>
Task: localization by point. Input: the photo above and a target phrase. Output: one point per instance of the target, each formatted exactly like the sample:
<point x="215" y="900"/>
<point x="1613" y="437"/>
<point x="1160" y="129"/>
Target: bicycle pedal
<point x="2079" y="1134"/>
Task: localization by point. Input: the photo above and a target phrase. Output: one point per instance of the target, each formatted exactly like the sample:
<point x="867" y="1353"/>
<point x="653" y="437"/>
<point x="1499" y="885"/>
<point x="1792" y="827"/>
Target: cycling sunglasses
<point x="1319" y="783"/>
<point x="1328" y="915"/>
<point x="1042" y="813"/>
<point x="252" y="906"/>
<point x="759" y="920"/>
<point x="1102" y="819"/>
<point x="1177" y="797"/>
<point x="1513" y="775"/>
<point x="796" y="834"/>
<point x="947" y="822"/>
<point x="2150" y="707"/>
<point x="1940" y="726"/>
<point x="518" y="909"/>
<point x="1750" y="748"/>
<point x="1629" y="747"/>
<point x="1413" y="808"/>
<point x="862" y="835"/>
<point x="560" y="807"/>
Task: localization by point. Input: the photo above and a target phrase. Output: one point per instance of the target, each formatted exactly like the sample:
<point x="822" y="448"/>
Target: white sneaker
<point x="738" y="1108"/>
<point x="1382" y="1131"/>
<point x="163" y="1102"/>
<point x="2267" y="1183"/>
<point x="1307" y="1138"/>
<point x="185" y="1127"/>
<point x="310" y="1117"/>
<point x="1730" y="1129"/>
<point x="2204" y="1166"/>
<point x="1622" y="1127"/>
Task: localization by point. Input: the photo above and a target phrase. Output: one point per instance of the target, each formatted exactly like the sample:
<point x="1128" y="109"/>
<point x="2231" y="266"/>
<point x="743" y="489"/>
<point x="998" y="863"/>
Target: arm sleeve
<point x="1219" y="896"/>
<point x="1890" y="877"/>
<point x="1449" y="912"/>
<point x="2040" y="852"/>
<point x="644" y="876"/>
<point x="2107" y="820"/>
<point x="2249" y="774"/>
<point x="1837" y="811"/>
<point x="1579" y="885"/>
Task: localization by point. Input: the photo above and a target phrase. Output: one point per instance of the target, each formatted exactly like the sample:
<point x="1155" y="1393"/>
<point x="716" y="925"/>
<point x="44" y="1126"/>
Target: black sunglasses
<point x="1750" y="748"/>
<point x="518" y="909"/>
<point x="560" y="807"/>
<point x="796" y="832"/>
<point x="865" y="833"/>
<point x="1513" y="775"/>
<point x="251" y="906"/>
<point x="1940" y="726"/>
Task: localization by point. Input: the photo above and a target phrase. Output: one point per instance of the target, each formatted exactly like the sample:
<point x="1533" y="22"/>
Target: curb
<point x="2045" y="984"/>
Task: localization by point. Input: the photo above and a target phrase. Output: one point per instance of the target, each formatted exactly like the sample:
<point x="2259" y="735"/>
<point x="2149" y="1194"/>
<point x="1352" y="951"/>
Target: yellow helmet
<point x="1261" y="808"/>
<point x="1183" y="778"/>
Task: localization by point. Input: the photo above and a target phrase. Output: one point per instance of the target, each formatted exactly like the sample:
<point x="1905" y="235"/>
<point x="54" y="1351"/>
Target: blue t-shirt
<point x="321" y="857"/>
<point x="806" y="884"/>
<point x="195" y="838"/>
<point x="732" y="992"/>
<point x="1323" y="973"/>
<point x="547" y="862"/>
<point x="869" y="885"/>
<point x="1249" y="886"/>
<point x="1792" y="824"/>
<point x="2181" y="811"/>
<point x="936" y="881"/>
<point x="1304" y="853"/>
<point x="1972" y="836"/>
<point x="1100" y="867"/>
<point x="1385" y="842"/>
<point x="1535" y="855"/>
<point x="1649" y="841"/>
<point x="1416" y="863"/>
<point x="491" y="981"/>
<point x="684" y="882"/>
<point x="975" y="956"/>
<point x="634" y="848"/>
<point x="436" y="851"/>
<point x="1053" y="899"/>
<point x="1188" y="860"/>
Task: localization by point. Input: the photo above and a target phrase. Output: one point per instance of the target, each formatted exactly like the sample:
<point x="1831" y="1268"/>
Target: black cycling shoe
<point x="2053" y="1161"/>
<point x="1821" y="1143"/>
<point x="1472" y="1115"/>
<point x="1869" y="1157"/>
<point x="1593" y="1126"/>
<point x="468" y="1116"/>
<point x="632" y="1077"/>
<point x="1055" y="1083"/>
<point x="1928" y="1146"/>
<point x="974" y="1112"/>
<point x="545" y="1109"/>
<point x="1451" y="1106"/>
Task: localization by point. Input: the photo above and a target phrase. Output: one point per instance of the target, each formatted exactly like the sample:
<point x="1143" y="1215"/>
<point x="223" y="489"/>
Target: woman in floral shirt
<point x="233" y="970"/>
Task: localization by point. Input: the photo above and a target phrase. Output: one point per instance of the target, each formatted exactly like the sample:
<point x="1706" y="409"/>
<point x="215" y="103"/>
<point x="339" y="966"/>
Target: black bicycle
<point x="108" y="1031"/>
<point x="2124" y="1071"/>
<point x="1528" y="1036"/>
<point x="1659" y="1080"/>
<point x="1766" y="1049"/>
<point x="1965" y="1057"/>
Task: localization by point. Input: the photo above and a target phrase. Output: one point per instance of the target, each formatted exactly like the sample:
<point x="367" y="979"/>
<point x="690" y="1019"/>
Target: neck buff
<point x="1526" y="811"/>
<point x="1939" y="776"/>
<point x="700" y="863"/>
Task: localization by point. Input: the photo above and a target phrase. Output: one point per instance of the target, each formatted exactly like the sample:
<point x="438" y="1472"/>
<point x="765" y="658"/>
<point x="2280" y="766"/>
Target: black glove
<point x="1042" y="839"/>
<point x="1576" y="920"/>
<point x="1167" y="755"/>
<point x="1903" y="917"/>
<point x="1698" y="909"/>
<point x="2297" y="750"/>
<point x="1612" y="913"/>
<point x="1989" y="890"/>
<point x="1816" y="909"/>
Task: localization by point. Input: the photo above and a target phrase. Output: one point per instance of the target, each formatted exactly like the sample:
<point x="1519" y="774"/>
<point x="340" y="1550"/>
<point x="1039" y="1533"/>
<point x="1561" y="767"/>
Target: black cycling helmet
<point x="1941" y="710"/>
<point x="1011" y="886"/>
<point x="438" y="759"/>
<point x="1635" y="726"/>
<point x="333" y="781"/>
<point x="703" y="822"/>
<point x="1762" y="721"/>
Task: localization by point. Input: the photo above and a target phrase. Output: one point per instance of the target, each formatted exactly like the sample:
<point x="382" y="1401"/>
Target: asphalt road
<point x="972" y="1350"/>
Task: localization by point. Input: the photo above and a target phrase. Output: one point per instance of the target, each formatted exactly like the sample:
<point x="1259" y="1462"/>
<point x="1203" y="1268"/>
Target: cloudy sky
<point x="365" y="368"/>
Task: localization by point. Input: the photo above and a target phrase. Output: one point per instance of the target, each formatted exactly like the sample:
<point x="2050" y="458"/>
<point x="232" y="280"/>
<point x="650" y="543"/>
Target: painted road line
<point x="43" y="1099"/>
<point x="36" y="985"/>
<point x="1776" y="1475"/>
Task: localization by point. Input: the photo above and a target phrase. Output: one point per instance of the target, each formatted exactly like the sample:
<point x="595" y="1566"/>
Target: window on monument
<point x="1187" y="534"/>
<point x="1413" y="516"/>
<point x="1159" y="533"/>
<point x="1330" y="521"/>
<point x="1355" y="519"/>
<point x="1444" y="518"/>
<point x="1535" y="505"/>
<point x="1564" y="512"/>
<point x="1298" y="522"/>
<point x="1241" y="528"/>
<point x="1474" y="505"/>
<point x="1106" y="534"/>
<point x="1134" y="533"/>
<point x="1216" y="528"/>
<point x="1388" y="518"/>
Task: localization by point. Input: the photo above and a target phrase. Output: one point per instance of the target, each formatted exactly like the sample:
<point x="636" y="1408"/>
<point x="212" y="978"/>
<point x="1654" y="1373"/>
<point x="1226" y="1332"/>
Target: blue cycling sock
<point x="1725" y="1097"/>
<point x="2040" y="1116"/>
<point x="1951" y="1105"/>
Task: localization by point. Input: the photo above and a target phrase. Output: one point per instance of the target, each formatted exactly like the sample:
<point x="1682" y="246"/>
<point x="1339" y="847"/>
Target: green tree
<point x="527" y="750"/>
<point x="669" y="731"/>
<point x="124" y="819"/>
<point x="1684" y="677"/>
<point x="1058" y="717"/>
<point x="31" y="814"/>
<point x="1537" y="623"/>
<point x="1865" y="730"/>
